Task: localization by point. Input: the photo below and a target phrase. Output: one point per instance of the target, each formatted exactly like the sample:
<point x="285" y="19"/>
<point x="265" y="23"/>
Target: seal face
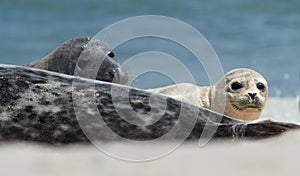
<point x="246" y="94"/>
<point x="242" y="94"/>
<point x="79" y="53"/>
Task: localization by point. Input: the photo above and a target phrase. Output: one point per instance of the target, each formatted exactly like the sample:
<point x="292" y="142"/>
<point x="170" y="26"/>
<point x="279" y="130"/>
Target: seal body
<point x="240" y="94"/>
<point x="42" y="106"/>
<point x="81" y="53"/>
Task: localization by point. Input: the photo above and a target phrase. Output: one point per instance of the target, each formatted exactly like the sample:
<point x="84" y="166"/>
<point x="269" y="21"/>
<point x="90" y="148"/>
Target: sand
<point x="275" y="156"/>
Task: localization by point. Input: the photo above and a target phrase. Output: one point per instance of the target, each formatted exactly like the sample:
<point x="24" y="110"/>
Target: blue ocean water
<point x="261" y="35"/>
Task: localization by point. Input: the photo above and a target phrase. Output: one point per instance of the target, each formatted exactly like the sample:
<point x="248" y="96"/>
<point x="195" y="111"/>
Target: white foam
<point x="282" y="109"/>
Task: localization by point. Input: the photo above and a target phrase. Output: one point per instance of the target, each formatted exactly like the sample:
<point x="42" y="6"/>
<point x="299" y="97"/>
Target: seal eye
<point x="111" y="55"/>
<point x="236" y="86"/>
<point x="261" y="87"/>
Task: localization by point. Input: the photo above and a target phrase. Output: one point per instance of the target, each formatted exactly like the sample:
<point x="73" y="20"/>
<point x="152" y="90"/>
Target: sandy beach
<point x="276" y="156"/>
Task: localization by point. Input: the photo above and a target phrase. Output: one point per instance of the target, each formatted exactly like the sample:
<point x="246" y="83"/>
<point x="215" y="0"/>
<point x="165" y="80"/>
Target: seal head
<point x="65" y="59"/>
<point x="241" y="94"/>
<point x="246" y="93"/>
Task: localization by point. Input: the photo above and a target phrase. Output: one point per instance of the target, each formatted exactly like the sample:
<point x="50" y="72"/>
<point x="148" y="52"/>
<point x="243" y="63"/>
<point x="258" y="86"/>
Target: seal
<point x="241" y="94"/>
<point x="39" y="106"/>
<point x="80" y="53"/>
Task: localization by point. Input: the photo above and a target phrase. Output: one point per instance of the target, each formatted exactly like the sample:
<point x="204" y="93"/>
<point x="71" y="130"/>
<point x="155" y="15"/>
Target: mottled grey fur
<point x="37" y="105"/>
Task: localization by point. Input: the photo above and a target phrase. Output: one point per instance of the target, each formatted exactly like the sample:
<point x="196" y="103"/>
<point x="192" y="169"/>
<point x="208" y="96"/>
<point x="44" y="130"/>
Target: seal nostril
<point x="252" y="95"/>
<point x="114" y="75"/>
<point x="112" y="72"/>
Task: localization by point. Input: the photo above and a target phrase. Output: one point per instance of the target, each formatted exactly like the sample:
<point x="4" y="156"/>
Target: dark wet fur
<point x="64" y="59"/>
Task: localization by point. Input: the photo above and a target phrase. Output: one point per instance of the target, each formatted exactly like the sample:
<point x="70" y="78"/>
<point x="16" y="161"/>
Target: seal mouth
<point x="245" y="107"/>
<point x="237" y="107"/>
<point x="252" y="106"/>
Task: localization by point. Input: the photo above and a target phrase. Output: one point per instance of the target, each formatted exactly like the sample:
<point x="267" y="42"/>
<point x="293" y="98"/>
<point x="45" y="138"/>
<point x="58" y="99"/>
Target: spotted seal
<point x="244" y="90"/>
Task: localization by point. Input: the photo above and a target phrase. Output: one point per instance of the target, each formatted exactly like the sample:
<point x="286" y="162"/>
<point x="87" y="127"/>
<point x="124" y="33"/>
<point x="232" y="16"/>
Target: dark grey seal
<point x="84" y="53"/>
<point x="38" y="105"/>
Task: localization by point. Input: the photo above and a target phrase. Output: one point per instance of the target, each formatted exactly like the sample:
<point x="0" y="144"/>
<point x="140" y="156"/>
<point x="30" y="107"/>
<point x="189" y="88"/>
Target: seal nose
<point x="119" y="76"/>
<point x="123" y="77"/>
<point x="114" y="75"/>
<point x="252" y="95"/>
